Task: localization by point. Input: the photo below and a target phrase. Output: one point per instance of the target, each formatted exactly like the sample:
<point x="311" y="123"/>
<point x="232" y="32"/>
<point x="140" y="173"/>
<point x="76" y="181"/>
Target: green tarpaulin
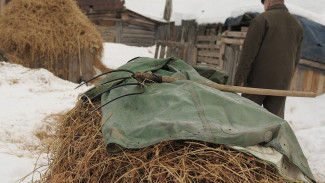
<point x="190" y="111"/>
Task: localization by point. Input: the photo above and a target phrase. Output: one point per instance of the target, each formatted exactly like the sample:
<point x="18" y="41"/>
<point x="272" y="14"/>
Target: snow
<point x="214" y="11"/>
<point x="29" y="100"/>
<point x="307" y="119"/>
<point x="116" y="55"/>
<point x="30" y="97"/>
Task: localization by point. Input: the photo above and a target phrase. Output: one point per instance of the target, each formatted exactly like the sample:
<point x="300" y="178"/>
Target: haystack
<point x="51" y="34"/>
<point x="79" y="155"/>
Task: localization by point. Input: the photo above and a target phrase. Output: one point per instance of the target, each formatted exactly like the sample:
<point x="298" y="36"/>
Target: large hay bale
<point x="79" y="155"/>
<point x="48" y="34"/>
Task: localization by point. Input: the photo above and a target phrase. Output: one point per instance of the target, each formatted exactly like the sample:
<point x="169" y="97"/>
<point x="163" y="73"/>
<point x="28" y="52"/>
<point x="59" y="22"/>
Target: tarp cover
<point x="184" y="110"/>
<point x="313" y="46"/>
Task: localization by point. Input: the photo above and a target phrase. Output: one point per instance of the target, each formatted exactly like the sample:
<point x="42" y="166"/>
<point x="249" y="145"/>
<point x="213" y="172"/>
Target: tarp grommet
<point x="229" y="130"/>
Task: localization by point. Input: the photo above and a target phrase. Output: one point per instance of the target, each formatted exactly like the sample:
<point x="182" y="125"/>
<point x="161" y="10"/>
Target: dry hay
<point x="79" y="155"/>
<point x="45" y="33"/>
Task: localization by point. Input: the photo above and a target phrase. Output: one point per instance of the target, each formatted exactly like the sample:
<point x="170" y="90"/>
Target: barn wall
<point x="100" y="5"/>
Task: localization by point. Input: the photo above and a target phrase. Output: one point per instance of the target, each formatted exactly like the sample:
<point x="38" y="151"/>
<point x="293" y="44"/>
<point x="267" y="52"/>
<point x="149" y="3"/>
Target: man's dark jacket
<point x="271" y="50"/>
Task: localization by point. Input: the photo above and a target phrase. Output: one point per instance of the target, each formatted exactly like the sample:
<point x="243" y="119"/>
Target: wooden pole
<point x="168" y="10"/>
<point x="228" y="88"/>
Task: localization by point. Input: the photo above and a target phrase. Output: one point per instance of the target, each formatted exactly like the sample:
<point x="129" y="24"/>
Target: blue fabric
<point x="313" y="47"/>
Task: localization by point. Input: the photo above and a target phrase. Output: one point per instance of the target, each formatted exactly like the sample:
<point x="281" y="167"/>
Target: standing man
<point x="270" y="54"/>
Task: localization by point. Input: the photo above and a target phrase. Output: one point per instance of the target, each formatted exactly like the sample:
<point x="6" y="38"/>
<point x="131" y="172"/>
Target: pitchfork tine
<point x="120" y="70"/>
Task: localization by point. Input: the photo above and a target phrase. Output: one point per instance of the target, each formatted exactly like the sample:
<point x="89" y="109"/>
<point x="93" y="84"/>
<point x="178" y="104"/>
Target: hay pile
<point x="79" y="155"/>
<point x="44" y="33"/>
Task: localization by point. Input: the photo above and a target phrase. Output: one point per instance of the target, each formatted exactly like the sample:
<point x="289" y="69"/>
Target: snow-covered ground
<point x="31" y="98"/>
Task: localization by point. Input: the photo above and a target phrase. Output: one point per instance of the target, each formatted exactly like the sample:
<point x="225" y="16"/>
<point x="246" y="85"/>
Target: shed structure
<point x="117" y="24"/>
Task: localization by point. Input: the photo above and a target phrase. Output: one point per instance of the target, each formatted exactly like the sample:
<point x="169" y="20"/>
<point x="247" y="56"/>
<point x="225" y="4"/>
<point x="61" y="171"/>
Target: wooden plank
<point x="59" y="69"/>
<point x="294" y="80"/>
<point x="236" y="51"/>
<point x="147" y="24"/>
<point x="157" y="51"/>
<point x="138" y="40"/>
<point x="321" y="84"/>
<point x="314" y="83"/>
<point x="129" y="25"/>
<point x="138" y="31"/>
<point x="207" y="38"/>
<point x="168" y="52"/>
<point x="235" y="34"/>
<point x="86" y="65"/>
<point x="105" y="23"/>
<point x="162" y="52"/>
<point x="118" y="30"/>
<point x="299" y="85"/>
<point x="74" y="71"/>
<point x="213" y="53"/>
<point x="125" y="16"/>
<point x="170" y="43"/>
<point x="184" y="53"/>
<point x="65" y="69"/>
<point x="232" y="41"/>
<point x="222" y="55"/>
<point x="208" y="60"/>
<point x="208" y="46"/>
<point x="308" y="80"/>
<point x="312" y="64"/>
<point x="244" y="29"/>
<point x="195" y="56"/>
<point x="141" y="36"/>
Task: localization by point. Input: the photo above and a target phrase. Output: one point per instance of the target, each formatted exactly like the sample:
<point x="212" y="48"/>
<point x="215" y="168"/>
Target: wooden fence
<point x="208" y="51"/>
<point x="166" y="49"/>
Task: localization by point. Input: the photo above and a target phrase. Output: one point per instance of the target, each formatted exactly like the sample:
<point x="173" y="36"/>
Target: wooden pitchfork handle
<point x="237" y="89"/>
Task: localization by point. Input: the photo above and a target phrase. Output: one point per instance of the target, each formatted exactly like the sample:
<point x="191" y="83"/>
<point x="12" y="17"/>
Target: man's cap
<point x="262" y="1"/>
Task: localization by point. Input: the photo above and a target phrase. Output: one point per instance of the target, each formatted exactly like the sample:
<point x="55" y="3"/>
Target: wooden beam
<point x="232" y="41"/>
<point x="207" y="38"/>
<point x="214" y="53"/>
<point x="208" y="46"/>
<point x="138" y="31"/>
<point x="308" y="81"/>
<point x="244" y="29"/>
<point x="235" y="34"/>
<point x="162" y="52"/>
<point x="141" y="36"/>
<point x="314" y="82"/>
<point x="321" y="84"/>
<point x="170" y="44"/>
<point x="157" y="51"/>
<point x="312" y="64"/>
